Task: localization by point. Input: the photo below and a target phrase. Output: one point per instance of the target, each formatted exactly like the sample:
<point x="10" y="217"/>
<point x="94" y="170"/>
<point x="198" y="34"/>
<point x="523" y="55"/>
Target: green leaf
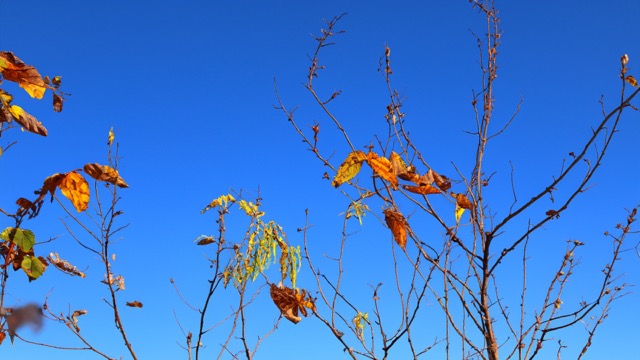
<point x="25" y="239"/>
<point x="33" y="267"/>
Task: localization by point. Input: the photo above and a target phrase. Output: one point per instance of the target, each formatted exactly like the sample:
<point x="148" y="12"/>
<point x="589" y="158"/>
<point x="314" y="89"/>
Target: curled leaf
<point x="441" y="181"/>
<point x="398" y="226"/>
<point x="222" y="200"/>
<point x="105" y="173"/>
<point x="462" y="201"/>
<point x="291" y="302"/>
<point x="76" y="189"/>
<point x="631" y="80"/>
<point x="64" y="265"/>
<point x="205" y="240"/>
<point x="57" y="103"/>
<point x="422" y="189"/>
<point x="349" y="168"/>
<point x="382" y="166"/>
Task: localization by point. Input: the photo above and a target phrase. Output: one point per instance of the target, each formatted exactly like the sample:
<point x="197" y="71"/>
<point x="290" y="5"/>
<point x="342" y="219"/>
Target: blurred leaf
<point x="631" y="80"/>
<point x="205" y="240"/>
<point x="57" y="103"/>
<point x="349" y="168"/>
<point x="111" y="137"/>
<point x="105" y="173"/>
<point x="422" y="189"/>
<point x="76" y="189"/>
<point x="2" y="336"/>
<point x="27" y="121"/>
<point x="135" y="304"/>
<point x="459" y="212"/>
<point x="382" y="166"/>
<point x="28" y="314"/>
<point x="13" y="69"/>
<point x="398" y="225"/>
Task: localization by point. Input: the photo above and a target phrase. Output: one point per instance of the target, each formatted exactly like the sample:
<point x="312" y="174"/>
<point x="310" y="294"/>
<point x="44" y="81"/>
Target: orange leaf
<point x="462" y="201"/>
<point x="105" y="173"/>
<point x="57" y="103"/>
<point x="631" y="80"/>
<point x="135" y="304"/>
<point x="27" y="121"/>
<point x="401" y="169"/>
<point x="398" y="225"/>
<point x="382" y="166"/>
<point x="76" y="189"/>
<point x="422" y="189"/>
<point x="349" y="168"/>
<point x="13" y="69"/>
<point x="2" y="337"/>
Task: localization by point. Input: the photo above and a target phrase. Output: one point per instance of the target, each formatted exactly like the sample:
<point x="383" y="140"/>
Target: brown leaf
<point x="2" y="337"/>
<point x="206" y="240"/>
<point x="57" y="103"/>
<point x="13" y="69"/>
<point x="382" y="166"/>
<point x="27" y="121"/>
<point x="398" y="225"/>
<point x="105" y="173"/>
<point x="442" y="181"/>
<point x="290" y="302"/>
<point x="422" y="189"/>
<point x="64" y="265"/>
<point x="49" y="186"/>
<point x="135" y="304"/>
<point x="462" y="201"/>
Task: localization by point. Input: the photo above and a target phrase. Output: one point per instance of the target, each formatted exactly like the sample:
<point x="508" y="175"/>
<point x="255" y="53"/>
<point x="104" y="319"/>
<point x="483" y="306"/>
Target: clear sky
<point x="188" y="88"/>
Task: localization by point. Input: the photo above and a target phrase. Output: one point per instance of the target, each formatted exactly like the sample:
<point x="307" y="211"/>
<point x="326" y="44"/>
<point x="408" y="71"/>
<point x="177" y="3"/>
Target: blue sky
<point x="188" y="88"/>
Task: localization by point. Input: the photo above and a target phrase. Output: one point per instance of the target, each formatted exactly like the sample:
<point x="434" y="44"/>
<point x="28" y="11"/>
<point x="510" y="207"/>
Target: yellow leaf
<point x="632" y="81"/>
<point x="111" y="137"/>
<point x="76" y="189"/>
<point x="398" y="226"/>
<point x="459" y="211"/>
<point x="349" y="168"/>
<point x="382" y="166"/>
<point x="223" y="200"/>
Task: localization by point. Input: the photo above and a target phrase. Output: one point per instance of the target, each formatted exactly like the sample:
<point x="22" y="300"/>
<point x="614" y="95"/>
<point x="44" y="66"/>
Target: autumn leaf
<point x="64" y="265"/>
<point x="105" y="173"/>
<point x="49" y="186"/>
<point x="25" y="239"/>
<point x="57" y="103"/>
<point x="459" y="211"/>
<point x="13" y="69"/>
<point x="76" y="189"/>
<point x="462" y="201"/>
<point x="441" y="181"/>
<point x="222" y="200"/>
<point x="205" y="240"/>
<point x="27" y="121"/>
<point x="291" y="302"/>
<point x="398" y="225"/>
<point x="135" y="304"/>
<point x="382" y="166"/>
<point x="349" y="168"/>
<point x="33" y="266"/>
<point x="631" y="80"/>
<point x="422" y="189"/>
<point x="2" y="337"/>
<point x="401" y="169"/>
<point x="111" y="137"/>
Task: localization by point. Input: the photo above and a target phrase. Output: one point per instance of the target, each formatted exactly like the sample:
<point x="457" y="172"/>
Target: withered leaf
<point x="105" y="173"/>
<point x="28" y="314"/>
<point x="382" y="166"/>
<point x="76" y="189"/>
<point x="2" y="336"/>
<point x="462" y="201"/>
<point x="135" y="304"/>
<point x="291" y="302"/>
<point x="441" y="181"/>
<point x="49" y="186"/>
<point x="64" y="265"/>
<point x="205" y="240"/>
<point x="398" y="226"/>
<point x="27" y="121"/>
<point x="422" y="189"/>
<point x="13" y="69"/>
<point x="57" y="103"/>
<point x="631" y="80"/>
<point x="349" y="168"/>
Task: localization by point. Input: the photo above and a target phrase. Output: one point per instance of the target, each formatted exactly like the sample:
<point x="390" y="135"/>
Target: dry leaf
<point x="291" y="302"/>
<point x="105" y="173"/>
<point x="631" y="80"/>
<point x="441" y="181"/>
<point x="27" y="121"/>
<point x="57" y="103"/>
<point x="76" y="189"/>
<point x="382" y="166"/>
<point x="64" y="265"/>
<point x="422" y="189"/>
<point x="462" y="201"/>
<point x="28" y="314"/>
<point x="13" y="69"/>
<point x="398" y="225"/>
<point x="135" y="304"/>
<point x="349" y="168"/>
